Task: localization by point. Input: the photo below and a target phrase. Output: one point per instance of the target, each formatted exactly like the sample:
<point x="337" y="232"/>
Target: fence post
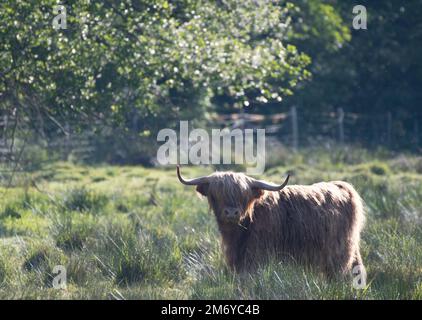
<point x="295" y="128"/>
<point x="340" y="120"/>
<point x="67" y="141"/>
<point x="389" y="128"/>
<point x="242" y="119"/>
<point x="5" y="123"/>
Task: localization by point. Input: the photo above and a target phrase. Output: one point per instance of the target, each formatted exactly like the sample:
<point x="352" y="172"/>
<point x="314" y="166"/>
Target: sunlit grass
<point x="136" y="233"/>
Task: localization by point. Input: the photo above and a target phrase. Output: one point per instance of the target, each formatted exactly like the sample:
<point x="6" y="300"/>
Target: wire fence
<point x="295" y="129"/>
<point x="298" y="128"/>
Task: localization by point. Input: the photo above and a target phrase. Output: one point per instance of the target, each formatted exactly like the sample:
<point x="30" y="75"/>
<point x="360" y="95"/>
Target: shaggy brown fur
<point x="318" y="225"/>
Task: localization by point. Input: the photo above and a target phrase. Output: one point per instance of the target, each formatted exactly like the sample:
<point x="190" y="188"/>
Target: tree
<point x="141" y="64"/>
<point x="375" y="70"/>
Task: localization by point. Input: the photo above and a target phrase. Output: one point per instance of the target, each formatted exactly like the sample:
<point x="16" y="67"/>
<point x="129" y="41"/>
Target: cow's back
<point x="318" y="225"/>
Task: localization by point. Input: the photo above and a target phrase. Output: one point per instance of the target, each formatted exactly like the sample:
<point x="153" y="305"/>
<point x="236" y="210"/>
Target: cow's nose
<point x="236" y="212"/>
<point x="231" y="212"/>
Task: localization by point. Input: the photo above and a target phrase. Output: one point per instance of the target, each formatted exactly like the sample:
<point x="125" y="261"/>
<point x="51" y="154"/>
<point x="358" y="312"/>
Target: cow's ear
<point x="202" y="189"/>
<point x="257" y="193"/>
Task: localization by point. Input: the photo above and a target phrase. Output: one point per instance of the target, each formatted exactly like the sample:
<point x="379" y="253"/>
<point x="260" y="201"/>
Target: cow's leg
<point x="358" y="271"/>
<point x="357" y="259"/>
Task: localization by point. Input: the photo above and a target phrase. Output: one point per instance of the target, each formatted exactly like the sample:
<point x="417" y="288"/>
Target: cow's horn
<point x="190" y="182"/>
<point x="269" y="186"/>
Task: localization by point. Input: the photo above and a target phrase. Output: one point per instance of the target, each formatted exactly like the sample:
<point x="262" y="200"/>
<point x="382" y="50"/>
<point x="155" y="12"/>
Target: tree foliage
<point x="143" y="60"/>
<point x="141" y="65"/>
<point x="375" y="70"/>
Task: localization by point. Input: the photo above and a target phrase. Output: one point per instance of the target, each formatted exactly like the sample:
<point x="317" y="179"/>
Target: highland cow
<point x="317" y="226"/>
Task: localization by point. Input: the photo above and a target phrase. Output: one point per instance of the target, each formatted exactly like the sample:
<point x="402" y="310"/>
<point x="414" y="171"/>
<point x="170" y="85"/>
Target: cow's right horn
<point x="269" y="186"/>
<point x="190" y="182"/>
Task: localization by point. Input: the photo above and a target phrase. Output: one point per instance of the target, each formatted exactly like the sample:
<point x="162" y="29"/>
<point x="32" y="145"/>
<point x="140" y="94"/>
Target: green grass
<point x="136" y="233"/>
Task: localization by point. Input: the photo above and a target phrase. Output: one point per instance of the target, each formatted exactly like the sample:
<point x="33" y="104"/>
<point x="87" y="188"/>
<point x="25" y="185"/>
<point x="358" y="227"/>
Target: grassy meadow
<point x="129" y="232"/>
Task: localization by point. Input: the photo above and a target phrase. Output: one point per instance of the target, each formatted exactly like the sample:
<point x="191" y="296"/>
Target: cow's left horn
<point x="269" y="186"/>
<point x="191" y="182"/>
